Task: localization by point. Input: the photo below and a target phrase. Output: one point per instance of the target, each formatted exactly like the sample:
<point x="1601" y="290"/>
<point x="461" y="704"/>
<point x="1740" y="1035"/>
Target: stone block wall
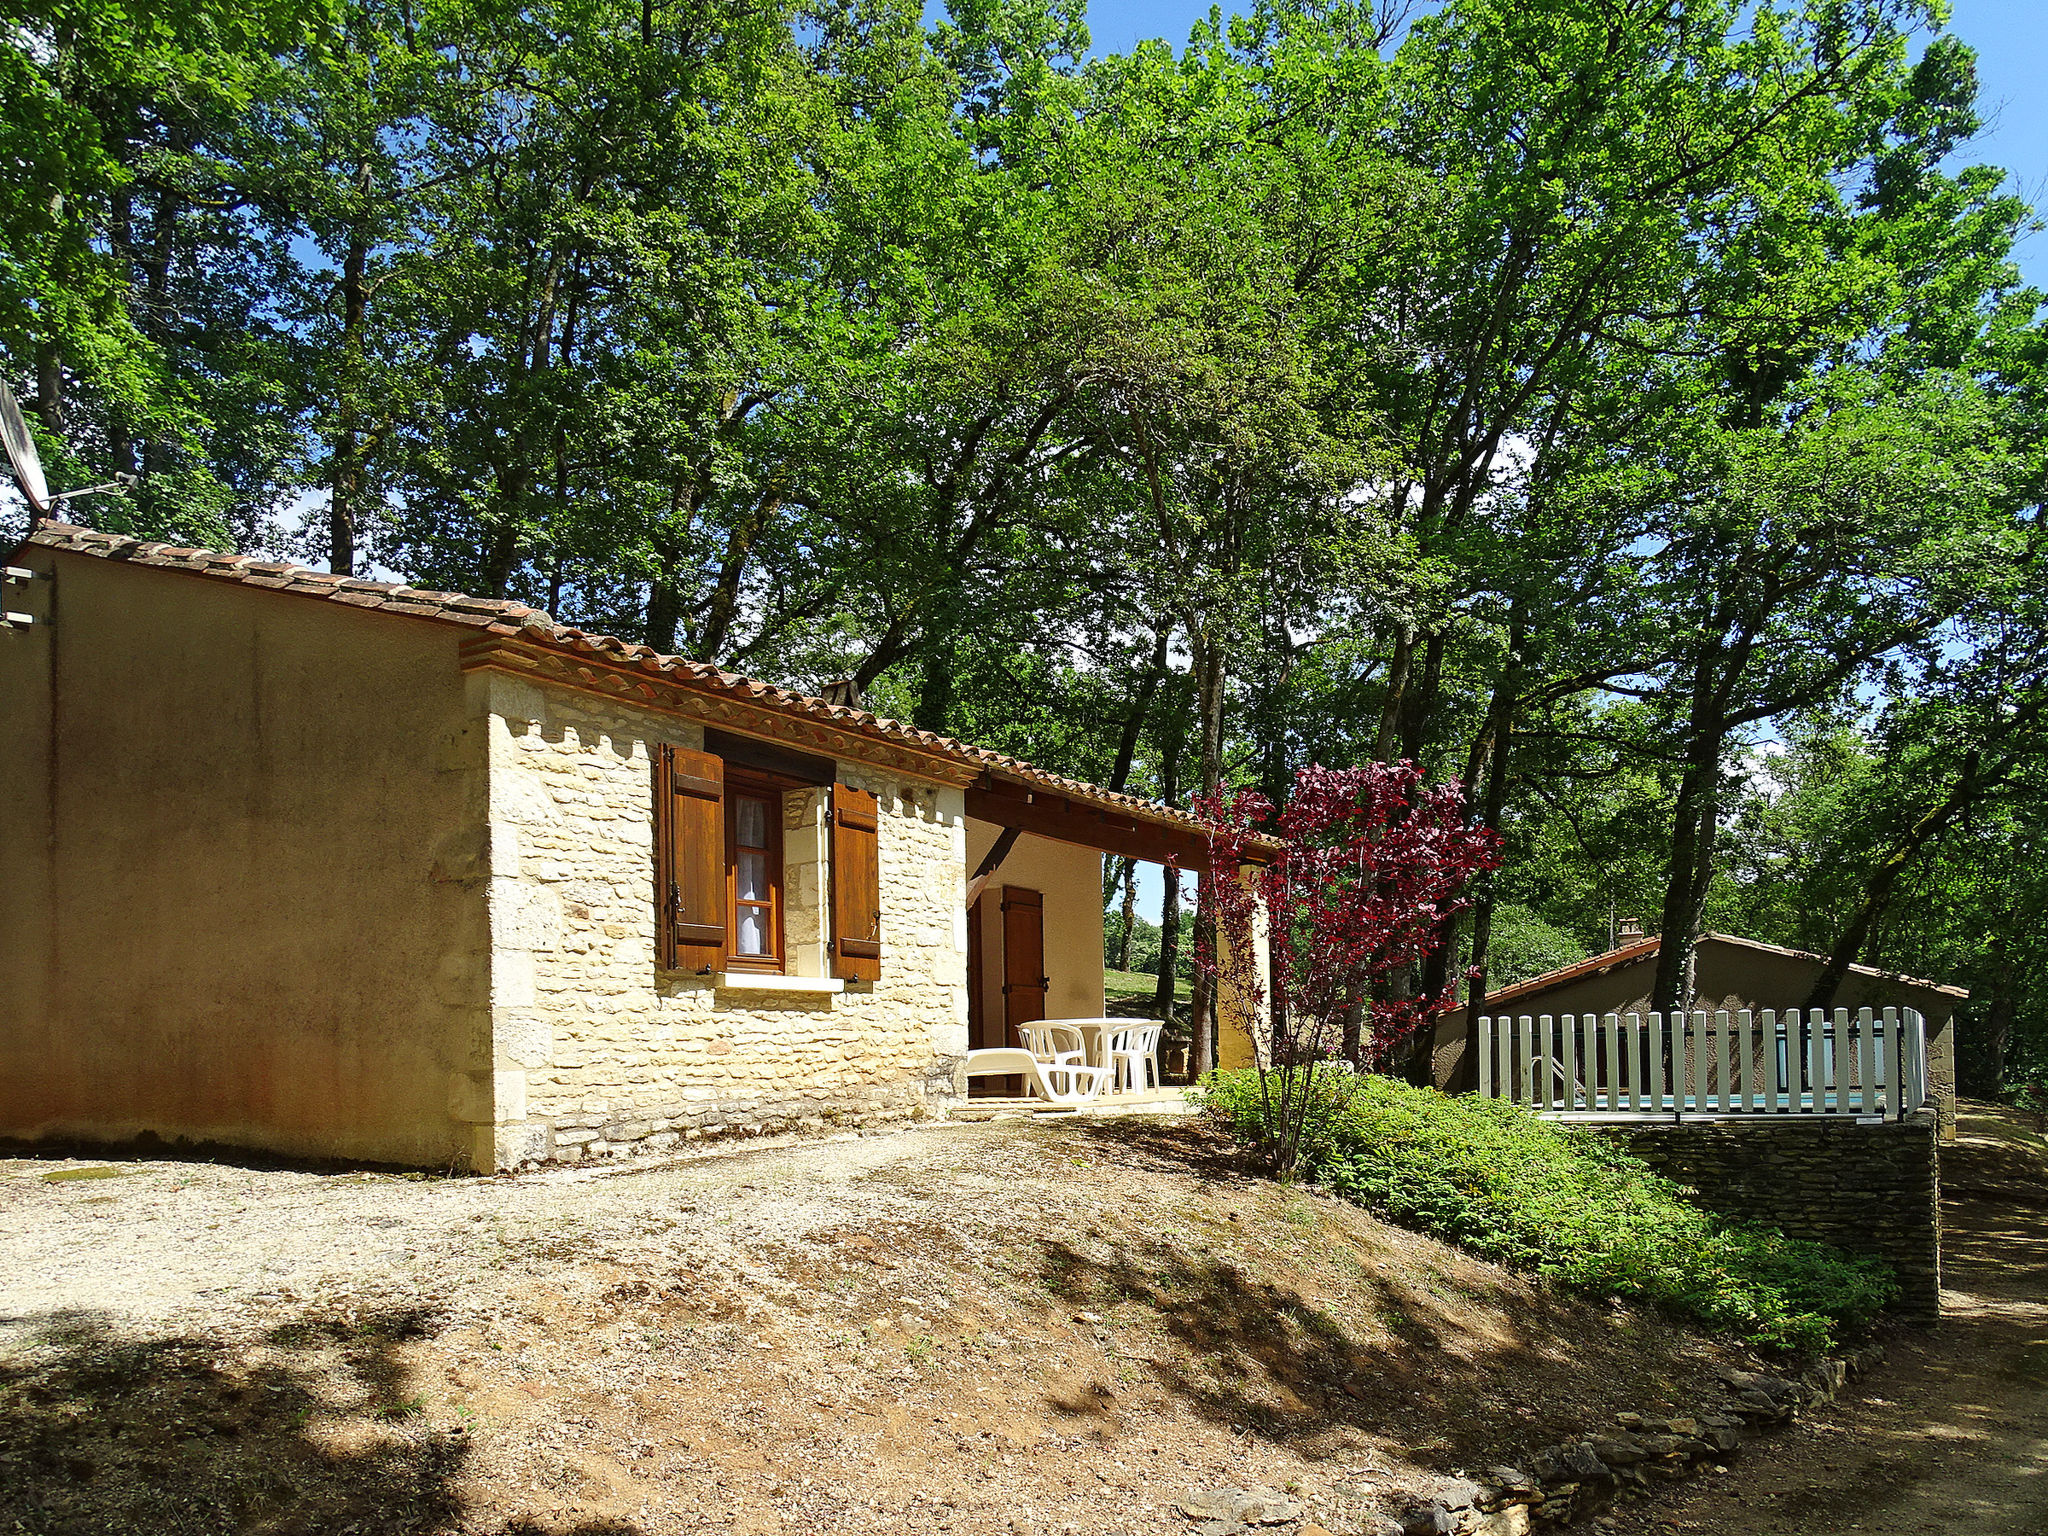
<point x="598" y="1053"/>
<point x="1872" y="1189"/>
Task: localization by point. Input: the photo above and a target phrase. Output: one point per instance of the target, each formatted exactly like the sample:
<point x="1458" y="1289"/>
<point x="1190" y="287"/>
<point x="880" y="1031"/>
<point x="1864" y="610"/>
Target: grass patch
<point x="1575" y="1208"/>
<point x="66" y="1175"/>
<point x="1138" y="984"/>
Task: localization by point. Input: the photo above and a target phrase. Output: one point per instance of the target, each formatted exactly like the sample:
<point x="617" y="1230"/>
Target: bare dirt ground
<point x="1951" y="1434"/>
<point x="995" y="1328"/>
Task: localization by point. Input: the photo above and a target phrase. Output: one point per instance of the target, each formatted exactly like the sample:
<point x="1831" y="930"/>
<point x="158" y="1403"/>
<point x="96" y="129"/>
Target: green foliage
<point x="1574" y="399"/>
<point x="137" y="289"/>
<point x="1144" y="941"/>
<point x="1524" y="945"/>
<point x="1145" y="945"/>
<point x="1569" y="1205"/>
<point x="2029" y="1097"/>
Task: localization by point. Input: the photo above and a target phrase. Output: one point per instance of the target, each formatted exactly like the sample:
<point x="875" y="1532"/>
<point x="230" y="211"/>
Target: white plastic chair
<point x="1059" y="1044"/>
<point x="1134" y="1057"/>
<point x="1057" y="1082"/>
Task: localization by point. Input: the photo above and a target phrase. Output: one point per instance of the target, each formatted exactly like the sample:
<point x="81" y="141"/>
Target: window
<point x="753" y="841"/>
<point x="718" y="870"/>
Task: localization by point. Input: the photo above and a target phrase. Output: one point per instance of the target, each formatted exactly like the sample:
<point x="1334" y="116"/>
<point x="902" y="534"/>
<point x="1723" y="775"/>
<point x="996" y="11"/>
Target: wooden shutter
<point x="856" y="886"/>
<point x="689" y="860"/>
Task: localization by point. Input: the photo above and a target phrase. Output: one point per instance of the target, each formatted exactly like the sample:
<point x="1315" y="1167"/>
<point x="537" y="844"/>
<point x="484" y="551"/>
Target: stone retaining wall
<point x="1872" y="1189"/>
<point x="1579" y="1479"/>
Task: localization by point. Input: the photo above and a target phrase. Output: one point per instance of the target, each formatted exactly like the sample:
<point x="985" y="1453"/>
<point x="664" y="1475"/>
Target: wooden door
<point x="1024" y="978"/>
<point x="983" y="1032"/>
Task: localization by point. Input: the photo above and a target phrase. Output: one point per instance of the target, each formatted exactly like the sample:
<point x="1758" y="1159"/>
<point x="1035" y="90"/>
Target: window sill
<point x="768" y="981"/>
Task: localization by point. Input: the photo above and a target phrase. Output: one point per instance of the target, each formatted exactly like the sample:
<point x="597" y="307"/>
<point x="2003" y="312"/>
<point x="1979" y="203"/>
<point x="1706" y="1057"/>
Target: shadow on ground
<point x="103" y="1434"/>
<point x="1170" y="1144"/>
<point x="1457" y="1367"/>
<point x="151" y="1148"/>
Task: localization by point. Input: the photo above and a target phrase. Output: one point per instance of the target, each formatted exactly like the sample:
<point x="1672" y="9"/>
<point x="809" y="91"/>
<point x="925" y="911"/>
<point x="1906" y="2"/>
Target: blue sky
<point x="2011" y="39"/>
<point x="2010" y="36"/>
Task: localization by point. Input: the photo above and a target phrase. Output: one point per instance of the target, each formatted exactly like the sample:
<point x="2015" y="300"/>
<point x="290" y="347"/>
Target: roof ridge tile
<point x="503" y="616"/>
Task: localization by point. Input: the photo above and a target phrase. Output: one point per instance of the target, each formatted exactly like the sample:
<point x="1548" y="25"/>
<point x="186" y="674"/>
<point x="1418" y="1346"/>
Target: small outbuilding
<point x="346" y="869"/>
<point x="1729" y="973"/>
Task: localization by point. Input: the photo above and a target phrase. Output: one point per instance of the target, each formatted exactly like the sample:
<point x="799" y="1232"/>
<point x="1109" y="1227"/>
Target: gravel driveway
<point x="165" y="1245"/>
<point x="991" y="1329"/>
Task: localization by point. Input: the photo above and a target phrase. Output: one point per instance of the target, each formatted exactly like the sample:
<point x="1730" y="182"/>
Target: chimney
<point x="844" y="692"/>
<point x="1631" y="932"/>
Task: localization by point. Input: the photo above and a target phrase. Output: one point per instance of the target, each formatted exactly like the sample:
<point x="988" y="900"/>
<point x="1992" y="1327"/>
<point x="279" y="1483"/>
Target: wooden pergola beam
<point x="991" y="862"/>
<point x="1063" y="820"/>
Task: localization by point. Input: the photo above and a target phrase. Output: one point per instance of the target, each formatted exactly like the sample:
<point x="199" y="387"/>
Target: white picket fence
<point x="1748" y="1063"/>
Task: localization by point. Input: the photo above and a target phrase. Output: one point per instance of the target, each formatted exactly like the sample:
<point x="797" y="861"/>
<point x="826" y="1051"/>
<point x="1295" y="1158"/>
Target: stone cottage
<point x="340" y="868"/>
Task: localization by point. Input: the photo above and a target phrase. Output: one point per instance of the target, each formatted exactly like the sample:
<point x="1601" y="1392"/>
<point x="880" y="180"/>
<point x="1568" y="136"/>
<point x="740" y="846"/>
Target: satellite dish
<point x="28" y="468"/>
<point x="21" y="453"/>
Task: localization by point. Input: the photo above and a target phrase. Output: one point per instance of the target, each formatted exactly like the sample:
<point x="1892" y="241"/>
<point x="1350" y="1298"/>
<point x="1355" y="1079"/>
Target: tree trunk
<point x="1163" y="994"/>
<point x="1209" y="694"/>
<point x="558" y="573"/>
<point x="725" y="592"/>
<point x="501" y="549"/>
<point x="1884" y="882"/>
<point x="345" y="491"/>
<point x="1988" y="1057"/>
<point x="1500" y="728"/>
<point x="50" y="387"/>
<point x="1354" y="1033"/>
<point x="157" y="261"/>
<point x="1418" y="701"/>
<point x="664" y="597"/>
<point x="665" y="591"/>
<point x="121" y="244"/>
<point x="935" y="693"/>
<point x="1210" y="680"/>
<point x="1689" y="866"/>
<point x="1141" y="707"/>
<point x="1690" y="873"/>
<point x="1130" y="914"/>
<point x="1393" y="706"/>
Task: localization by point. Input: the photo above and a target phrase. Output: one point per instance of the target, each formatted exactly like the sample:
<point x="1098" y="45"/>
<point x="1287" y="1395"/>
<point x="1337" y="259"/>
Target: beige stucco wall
<point x="241" y="870"/>
<point x="1069" y="877"/>
<point x="1243" y="1025"/>
<point x="599" y="1053"/>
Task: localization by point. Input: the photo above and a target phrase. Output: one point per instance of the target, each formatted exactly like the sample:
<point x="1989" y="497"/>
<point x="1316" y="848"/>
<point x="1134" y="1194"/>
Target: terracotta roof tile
<point x="1627" y="954"/>
<point x="500" y="617"/>
<point x="1644" y="948"/>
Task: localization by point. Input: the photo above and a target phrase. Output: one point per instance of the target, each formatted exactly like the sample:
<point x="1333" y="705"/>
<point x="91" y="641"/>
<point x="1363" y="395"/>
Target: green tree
<point x="137" y="284"/>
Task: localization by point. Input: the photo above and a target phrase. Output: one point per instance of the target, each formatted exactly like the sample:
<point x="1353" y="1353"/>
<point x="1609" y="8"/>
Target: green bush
<point x="1568" y="1204"/>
